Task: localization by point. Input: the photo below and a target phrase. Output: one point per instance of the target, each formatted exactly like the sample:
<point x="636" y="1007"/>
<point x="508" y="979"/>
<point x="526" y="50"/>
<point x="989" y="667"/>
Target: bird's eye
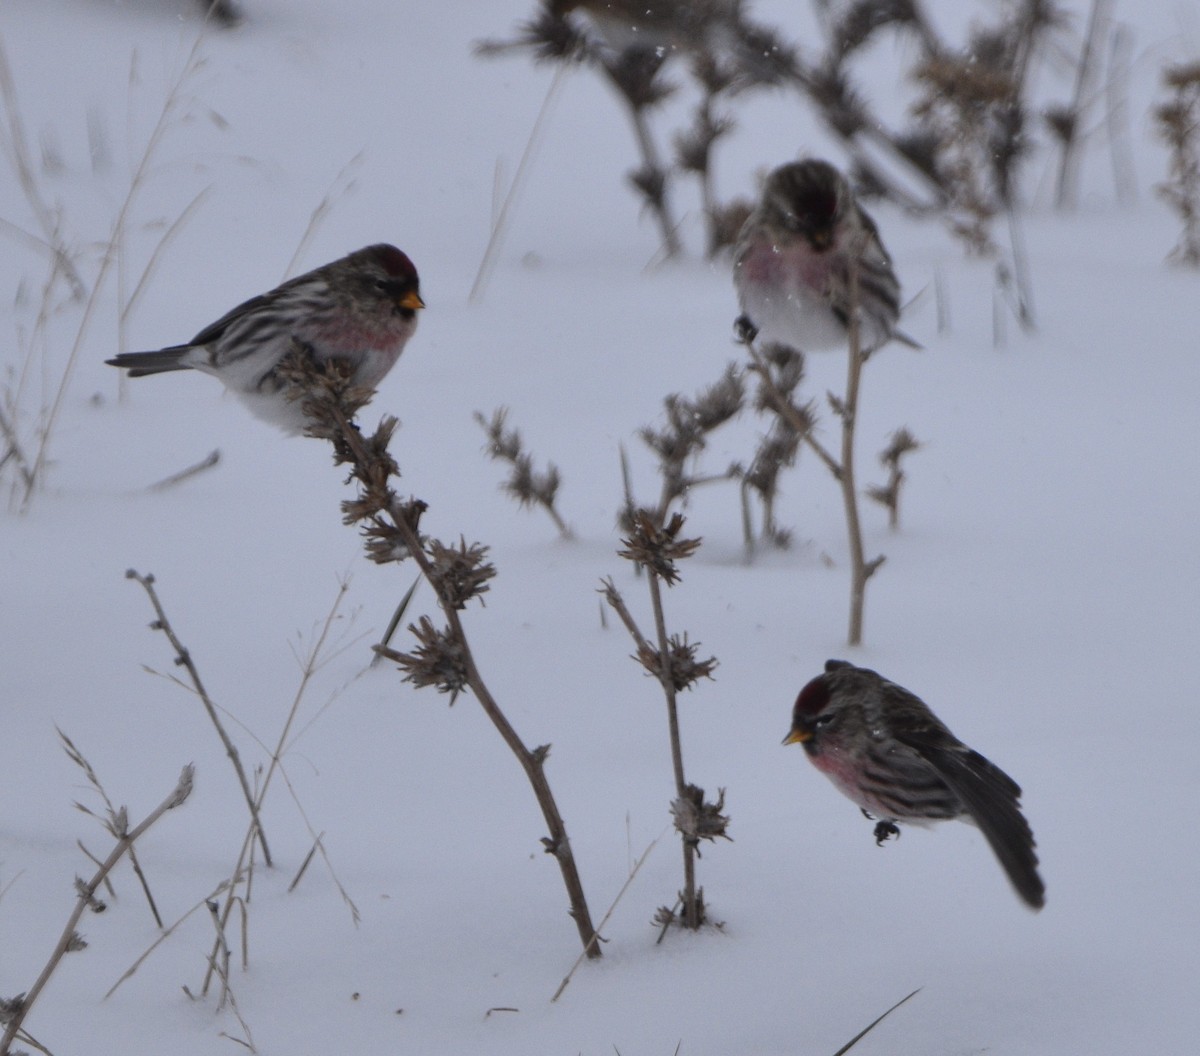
<point x="821" y="721"/>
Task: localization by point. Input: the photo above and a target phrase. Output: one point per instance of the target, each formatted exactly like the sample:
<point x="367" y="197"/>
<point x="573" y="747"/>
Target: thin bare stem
<point x="18" y="144"/>
<point x="673" y="663"/>
<point x="243" y="867"/>
<point x="532" y="762"/>
<point x="1116" y="115"/>
<point x="788" y="411"/>
<point x="1066" y="195"/>
<point x="167" y="933"/>
<point x="111" y="823"/>
<point x="342" y="183"/>
<point x="86" y="893"/>
<point x="15" y="452"/>
<point x="503" y="217"/>
<point x="110" y="256"/>
<point x="184" y="659"/>
<point x="604" y="920"/>
<point x="168" y="236"/>
<point x="860" y="568"/>
<point x="207" y="462"/>
<point x="872" y="1025"/>
<point x="691" y="907"/>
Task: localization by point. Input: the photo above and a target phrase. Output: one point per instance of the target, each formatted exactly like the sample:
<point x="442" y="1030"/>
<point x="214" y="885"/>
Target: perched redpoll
<point x="794" y="261"/>
<point x="361" y="309"/>
<point x="885" y="750"/>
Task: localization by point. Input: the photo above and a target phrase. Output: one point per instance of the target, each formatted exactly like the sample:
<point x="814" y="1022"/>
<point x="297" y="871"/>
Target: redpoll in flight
<point x="796" y="258"/>
<point x="361" y="309"/>
<point x="885" y="750"/>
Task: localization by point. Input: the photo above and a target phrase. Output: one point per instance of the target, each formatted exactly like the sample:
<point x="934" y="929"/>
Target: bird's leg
<point x="745" y="330"/>
<point x="884" y="830"/>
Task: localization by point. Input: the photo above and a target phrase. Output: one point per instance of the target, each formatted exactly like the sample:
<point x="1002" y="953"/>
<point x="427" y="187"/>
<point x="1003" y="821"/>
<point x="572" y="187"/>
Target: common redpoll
<point x="885" y="750"/>
<point x="361" y="309"/>
<point x="795" y="258"/>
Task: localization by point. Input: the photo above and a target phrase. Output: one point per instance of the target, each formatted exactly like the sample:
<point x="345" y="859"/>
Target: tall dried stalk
<point x="243" y="872"/>
<point x="841" y="467"/>
<point x="672" y="661"/>
<point x="183" y="658"/>
<point x="525" y="484"/>
<point x="1179" y="126"/>
<point x="170" y="105"/>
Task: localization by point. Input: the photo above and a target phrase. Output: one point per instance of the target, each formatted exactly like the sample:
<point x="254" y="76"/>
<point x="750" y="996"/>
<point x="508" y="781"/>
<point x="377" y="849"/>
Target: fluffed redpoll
<point x="361" y="309"/>
<point x="795" y="257"/>
<point x="885" y="750"/>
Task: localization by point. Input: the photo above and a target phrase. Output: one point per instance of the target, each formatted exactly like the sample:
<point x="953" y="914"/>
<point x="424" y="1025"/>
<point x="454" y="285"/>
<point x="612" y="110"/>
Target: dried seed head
<point x="657" y="547"/>
<point x="681" y="667"/>
<point x="696" y="820"/>
<point x="9" y="1007"/>
<point x="459" y="573"/>
<point x="439" y="659"/>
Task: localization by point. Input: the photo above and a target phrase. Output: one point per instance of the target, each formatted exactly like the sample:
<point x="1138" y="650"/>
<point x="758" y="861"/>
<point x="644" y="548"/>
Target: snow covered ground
<point x="1041" y="594"/>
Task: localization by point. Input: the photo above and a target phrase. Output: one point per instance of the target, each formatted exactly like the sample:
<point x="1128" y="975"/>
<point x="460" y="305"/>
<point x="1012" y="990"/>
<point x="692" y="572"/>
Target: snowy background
<point x="1041" y="594"/>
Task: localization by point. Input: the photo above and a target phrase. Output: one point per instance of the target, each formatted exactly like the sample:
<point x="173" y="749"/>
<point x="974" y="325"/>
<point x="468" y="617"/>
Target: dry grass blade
<point x="873" y="1024"/>
<point x="207" y="462"/>
<point x="500" y="225"/>
<point x="604" y="920"/>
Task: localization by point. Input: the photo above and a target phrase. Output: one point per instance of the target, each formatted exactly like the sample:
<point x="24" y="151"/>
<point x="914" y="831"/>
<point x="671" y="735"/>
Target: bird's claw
<point x="745" y="330"/>
<point x="884" y="831"/>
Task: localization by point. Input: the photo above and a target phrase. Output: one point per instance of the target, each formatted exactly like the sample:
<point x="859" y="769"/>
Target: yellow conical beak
<point x="798" y="737"/>
<point x="412" y="299"/>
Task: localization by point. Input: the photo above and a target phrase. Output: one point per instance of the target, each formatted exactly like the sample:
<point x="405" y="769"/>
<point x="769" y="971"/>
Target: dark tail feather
<point x="992" y="798"/>
<point x="140" y="364"/>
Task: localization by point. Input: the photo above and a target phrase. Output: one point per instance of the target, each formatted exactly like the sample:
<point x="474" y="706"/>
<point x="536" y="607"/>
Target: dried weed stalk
<point x="32" y="455"/>
<point x="14" y="1011"/>
<point x="1178" y="125"/>
<point x="675" y="664"/>
<point x="525" y="484"/>
<point x="780" y="371"/>
<point x="845" y="407"/>
<point x="458" y="574"/>
<point x="111" y="820"/>
<point x="183" y="658"/>
<point x="685" y="435"/>
<point x="900" y="444"/>
<point x="237" y="890"/>
<point x="630" y="44"/>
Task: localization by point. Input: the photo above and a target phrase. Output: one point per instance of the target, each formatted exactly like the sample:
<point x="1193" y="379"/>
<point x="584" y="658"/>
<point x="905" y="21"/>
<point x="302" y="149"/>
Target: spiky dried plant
<point x="458" y="574"/>
<point x="674" y="662"/>
<point x="1179" y="126"/>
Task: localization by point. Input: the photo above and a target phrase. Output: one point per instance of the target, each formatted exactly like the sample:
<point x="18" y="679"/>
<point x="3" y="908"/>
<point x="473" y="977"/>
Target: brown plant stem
<point x="691" y="907"/>
<point x="532" y="761"/>
<point x="860" y="569"/>
<point x="184" y="659"/>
